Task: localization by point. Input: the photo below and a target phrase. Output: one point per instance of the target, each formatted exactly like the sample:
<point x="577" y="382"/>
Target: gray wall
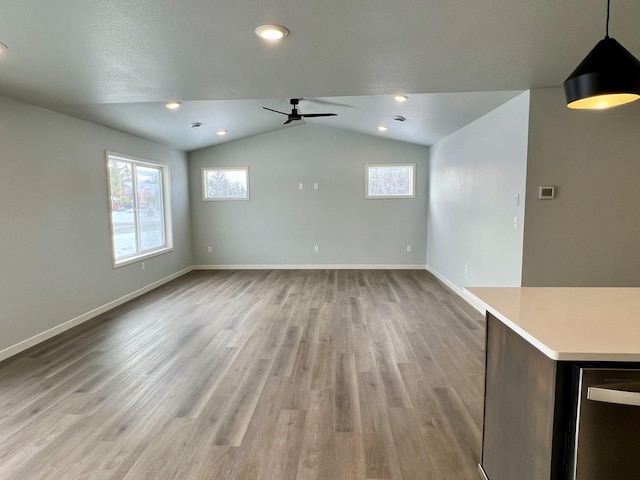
<point x="55" y="250"/>
<point x="281" y="224"/>
<point x="474" y="175"/>
<point x="590" y="234"/>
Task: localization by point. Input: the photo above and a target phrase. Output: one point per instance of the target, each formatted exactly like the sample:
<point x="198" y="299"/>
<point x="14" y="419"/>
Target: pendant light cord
<point x="608" y="9"/>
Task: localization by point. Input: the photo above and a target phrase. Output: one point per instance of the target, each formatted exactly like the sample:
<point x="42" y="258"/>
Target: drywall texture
<point x="281" y="224"/>
<point x="589" y="235"/>
<point x="55" y="248"/>
<point x="474" y="175"/>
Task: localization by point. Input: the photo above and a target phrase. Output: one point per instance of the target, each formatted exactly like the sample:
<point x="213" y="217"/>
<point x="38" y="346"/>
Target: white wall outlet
<point x="315" y="186"/>
<point x="315" y="248"/>
<point x="516" y="199"/>
<point x="143" y="266"/>
<point x="515" y="222"/>
<point x="466" y="269"/>
<point x="209" y="249"/>
<point x="300" y="186"/>
<point x="408" y="248"/>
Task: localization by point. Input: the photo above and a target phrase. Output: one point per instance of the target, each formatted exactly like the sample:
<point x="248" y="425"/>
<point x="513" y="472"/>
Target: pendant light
<point x="609" y="76"/>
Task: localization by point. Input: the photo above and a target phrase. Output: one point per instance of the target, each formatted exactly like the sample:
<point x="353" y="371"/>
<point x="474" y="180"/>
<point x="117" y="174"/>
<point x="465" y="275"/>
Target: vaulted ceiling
<point x="117" y="62"/>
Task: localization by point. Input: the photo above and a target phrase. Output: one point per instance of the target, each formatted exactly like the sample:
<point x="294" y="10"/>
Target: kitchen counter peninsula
<point x="543" y="345"/>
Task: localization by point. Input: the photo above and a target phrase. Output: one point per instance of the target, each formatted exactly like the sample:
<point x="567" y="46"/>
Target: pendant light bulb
<point x="608" y="76"/>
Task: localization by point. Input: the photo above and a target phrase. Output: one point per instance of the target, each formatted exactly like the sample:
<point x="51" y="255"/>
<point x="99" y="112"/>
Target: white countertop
<point x="580" y="324"/>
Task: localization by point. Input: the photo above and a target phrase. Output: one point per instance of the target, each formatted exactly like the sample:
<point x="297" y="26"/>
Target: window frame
<point x="367" y="169"/>
<point x="166" y="209"/>
<point x="203" y="183"/>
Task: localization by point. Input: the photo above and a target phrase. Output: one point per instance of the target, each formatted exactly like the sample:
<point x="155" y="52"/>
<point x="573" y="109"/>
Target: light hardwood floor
<point x="264" y="374"/>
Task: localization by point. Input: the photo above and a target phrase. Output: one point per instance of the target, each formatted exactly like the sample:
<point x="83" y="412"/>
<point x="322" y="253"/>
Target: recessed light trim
<point x="382" y="128"/>
<point x="271" y="32"/>
<point x="172" y="105"/>
<point x="401" y="98"/>
<point x="399" y="118"/>
<point x="195" y="125"/>
<point x="221" y="133"/>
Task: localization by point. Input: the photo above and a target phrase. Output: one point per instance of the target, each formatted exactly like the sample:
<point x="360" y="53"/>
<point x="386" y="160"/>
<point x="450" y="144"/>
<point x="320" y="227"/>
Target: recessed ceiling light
<point x="401" y="98"/>
<point x="172" y="105"/>
<point x="195" y="125"/>
<point x="382" y="128"/>
<point x="3" y="47"/>
<point x="271" y="32"/>
<point x="221" y="133"/>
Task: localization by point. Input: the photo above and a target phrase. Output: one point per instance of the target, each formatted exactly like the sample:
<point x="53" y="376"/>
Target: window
<point x="391" y="181"/>
<point x="139" y="203"/>
<point x="225" y="183"/>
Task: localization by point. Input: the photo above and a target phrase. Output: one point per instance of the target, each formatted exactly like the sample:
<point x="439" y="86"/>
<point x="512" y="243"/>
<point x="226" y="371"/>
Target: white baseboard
<point x="461" y="293"/>
<point x="309" y="267"/>
<point x="52" y="332"/>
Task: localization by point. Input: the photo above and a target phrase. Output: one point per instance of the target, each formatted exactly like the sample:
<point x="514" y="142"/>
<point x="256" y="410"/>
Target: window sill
<point x="143" y="256"/>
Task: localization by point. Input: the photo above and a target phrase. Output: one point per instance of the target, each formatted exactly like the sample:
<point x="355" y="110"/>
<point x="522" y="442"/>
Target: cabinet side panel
<point x="519" y="407"/>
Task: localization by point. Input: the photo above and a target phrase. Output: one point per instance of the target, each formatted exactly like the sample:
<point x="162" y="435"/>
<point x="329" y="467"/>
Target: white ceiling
<point x="116" y="62"/>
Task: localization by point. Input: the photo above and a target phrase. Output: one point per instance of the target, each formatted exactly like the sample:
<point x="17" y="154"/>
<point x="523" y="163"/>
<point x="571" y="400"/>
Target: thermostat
<point x="546" y="192"/>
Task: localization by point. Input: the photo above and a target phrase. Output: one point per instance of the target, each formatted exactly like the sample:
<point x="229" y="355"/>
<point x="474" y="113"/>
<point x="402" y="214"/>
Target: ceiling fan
<point x="296" y="115"/>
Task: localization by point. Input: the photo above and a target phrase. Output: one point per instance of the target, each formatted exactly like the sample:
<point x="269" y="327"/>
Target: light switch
<point x="300" y="186"/>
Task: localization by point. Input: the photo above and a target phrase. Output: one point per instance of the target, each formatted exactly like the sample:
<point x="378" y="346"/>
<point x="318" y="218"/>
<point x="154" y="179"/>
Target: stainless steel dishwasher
<point x="607" y="441"/>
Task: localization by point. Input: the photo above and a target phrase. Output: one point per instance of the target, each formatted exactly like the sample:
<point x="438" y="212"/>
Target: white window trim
<point x="166" y="210"/>
<point x="378" y="165"/>
<point x="203" y="180"/>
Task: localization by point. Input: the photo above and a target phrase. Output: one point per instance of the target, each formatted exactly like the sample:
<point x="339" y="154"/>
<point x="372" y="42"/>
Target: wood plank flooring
<point x="262" y="374"/>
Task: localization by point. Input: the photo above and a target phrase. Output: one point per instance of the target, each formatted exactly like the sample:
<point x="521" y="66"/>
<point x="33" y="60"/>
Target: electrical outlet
<point x="315" y="248"/>
<point x="408" y="248"/>
<point x="209" y="249"/>
<point x="515" y="222"/>
<point x="300" y="186"/>
<point x="315" y="186"/>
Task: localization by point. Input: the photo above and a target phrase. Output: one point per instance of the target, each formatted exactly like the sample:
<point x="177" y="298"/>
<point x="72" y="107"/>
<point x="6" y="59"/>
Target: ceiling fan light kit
<point x="609" y="76"/>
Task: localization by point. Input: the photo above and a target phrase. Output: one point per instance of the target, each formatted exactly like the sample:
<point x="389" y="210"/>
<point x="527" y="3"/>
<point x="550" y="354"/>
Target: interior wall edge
<point x="74" y="322"/>
<point x="462" y="293"/>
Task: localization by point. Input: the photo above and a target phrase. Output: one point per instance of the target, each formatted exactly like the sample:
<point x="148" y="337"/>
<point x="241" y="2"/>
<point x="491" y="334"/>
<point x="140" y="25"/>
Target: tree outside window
<point x="390" y="181"/>
<point x="225" y="183"/>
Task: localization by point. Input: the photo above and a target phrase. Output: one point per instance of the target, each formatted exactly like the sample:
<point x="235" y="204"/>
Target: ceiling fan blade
<point x="319" y="115"/>
<point x="326" y="102"/>
<point x="289" y="121"/>
<point x="277" y="111"/>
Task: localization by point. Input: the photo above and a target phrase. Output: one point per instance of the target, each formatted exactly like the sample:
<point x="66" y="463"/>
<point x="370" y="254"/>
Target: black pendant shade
<point x="607" y="77"/>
